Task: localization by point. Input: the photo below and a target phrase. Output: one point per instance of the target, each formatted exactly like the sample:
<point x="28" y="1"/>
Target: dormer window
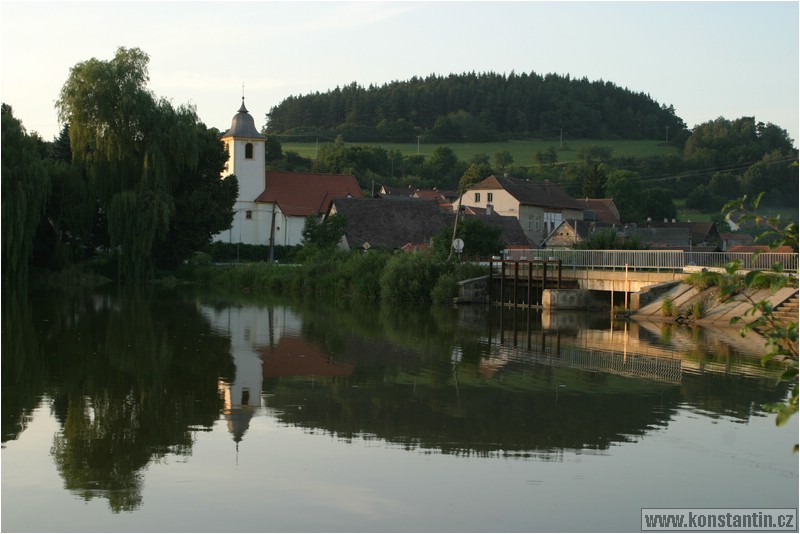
<point x="248" y="151"/>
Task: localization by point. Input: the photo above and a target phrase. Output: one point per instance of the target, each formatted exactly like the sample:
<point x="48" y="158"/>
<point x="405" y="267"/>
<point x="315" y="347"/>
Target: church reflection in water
<point x="133" y="378"/>
<point x="474" y="386"/>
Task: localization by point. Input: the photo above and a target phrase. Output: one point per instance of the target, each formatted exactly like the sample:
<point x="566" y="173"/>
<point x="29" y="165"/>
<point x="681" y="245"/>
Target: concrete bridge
<point x="601" y="278"/>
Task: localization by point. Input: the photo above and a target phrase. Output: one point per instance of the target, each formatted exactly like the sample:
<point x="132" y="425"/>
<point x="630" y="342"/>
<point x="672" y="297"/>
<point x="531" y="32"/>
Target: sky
<point x="707" y="59"/>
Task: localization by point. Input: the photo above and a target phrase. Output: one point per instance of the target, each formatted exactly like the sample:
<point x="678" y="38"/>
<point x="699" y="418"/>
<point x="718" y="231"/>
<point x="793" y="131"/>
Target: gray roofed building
<point x="377" y="222"/>
<point x="531" y="192"/>
<point x="661" y="238"/>
<point x="702" y="232"/>
<point x="538" y="205"/>
<point x="570" y="232"/>
<point x="512" y="235"/>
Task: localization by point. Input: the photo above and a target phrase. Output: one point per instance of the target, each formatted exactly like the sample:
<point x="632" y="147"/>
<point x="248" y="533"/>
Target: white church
<point x="252" y="222"/>
<point x="273" y="206"/>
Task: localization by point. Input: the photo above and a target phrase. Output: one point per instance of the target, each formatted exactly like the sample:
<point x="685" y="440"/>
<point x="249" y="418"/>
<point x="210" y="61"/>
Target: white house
<point x="540" y="206"/>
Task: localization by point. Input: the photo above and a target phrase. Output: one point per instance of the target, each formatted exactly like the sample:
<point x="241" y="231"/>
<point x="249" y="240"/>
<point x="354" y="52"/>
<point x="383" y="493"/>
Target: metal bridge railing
<point x="659" y="260"/>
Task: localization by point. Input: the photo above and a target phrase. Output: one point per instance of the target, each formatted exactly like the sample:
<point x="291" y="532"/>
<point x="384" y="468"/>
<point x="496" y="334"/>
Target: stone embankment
<point x="688" y="304"/>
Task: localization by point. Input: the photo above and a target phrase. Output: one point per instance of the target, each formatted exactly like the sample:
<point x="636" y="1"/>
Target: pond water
<point x="173" y="411"/>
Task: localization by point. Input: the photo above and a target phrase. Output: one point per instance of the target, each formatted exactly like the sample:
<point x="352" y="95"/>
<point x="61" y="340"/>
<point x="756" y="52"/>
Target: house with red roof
<point x="298" y="195"/>
<point x="273" y="206"/>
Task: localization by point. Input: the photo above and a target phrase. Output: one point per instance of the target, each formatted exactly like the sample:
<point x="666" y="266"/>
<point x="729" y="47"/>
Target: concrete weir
<point x="566" y="299"/>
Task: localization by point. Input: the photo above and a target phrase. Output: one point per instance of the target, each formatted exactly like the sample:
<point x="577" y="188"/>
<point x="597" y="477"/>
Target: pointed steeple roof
<point x="243" y="125"/>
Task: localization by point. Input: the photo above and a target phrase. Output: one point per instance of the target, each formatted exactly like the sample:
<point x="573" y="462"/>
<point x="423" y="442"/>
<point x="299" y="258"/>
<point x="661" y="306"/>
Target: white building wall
<point x="502" y="202"/>
<point x="250" y="172"/>
<point x="255" y="228"/>
<point x="294" y="230"/>
<point x="250" y="328"/>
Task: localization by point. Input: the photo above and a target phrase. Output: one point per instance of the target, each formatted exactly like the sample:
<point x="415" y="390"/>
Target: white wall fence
<point x="659" y="260"/>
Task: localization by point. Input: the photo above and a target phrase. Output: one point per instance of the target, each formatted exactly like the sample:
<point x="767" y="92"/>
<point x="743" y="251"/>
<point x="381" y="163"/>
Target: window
<point x="248" y="151"/>
<point x="248" y="214"/>
<point x="489" y="197"/>
<point x="477" y="197"/>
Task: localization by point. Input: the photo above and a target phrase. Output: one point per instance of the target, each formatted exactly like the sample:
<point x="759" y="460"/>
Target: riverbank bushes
<point x="338" y="274"/>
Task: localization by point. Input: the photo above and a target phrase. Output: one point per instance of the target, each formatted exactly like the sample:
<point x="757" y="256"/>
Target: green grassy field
<point x="522" y="151"/>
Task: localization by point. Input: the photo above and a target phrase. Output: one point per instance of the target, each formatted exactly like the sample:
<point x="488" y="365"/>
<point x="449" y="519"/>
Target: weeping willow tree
<point x="25" y="188"/>
<point x="133" y="145"/>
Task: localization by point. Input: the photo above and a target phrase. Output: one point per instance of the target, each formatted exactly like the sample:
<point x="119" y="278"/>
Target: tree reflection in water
<point x="132" y="376"/>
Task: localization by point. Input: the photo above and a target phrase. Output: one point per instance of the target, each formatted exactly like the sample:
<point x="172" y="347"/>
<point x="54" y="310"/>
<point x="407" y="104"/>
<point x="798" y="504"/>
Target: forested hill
<point x="476" y="107"/>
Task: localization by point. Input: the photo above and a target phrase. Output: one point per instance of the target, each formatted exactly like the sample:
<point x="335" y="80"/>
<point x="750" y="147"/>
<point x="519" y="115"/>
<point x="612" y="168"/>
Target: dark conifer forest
<point x="476" y="107"/>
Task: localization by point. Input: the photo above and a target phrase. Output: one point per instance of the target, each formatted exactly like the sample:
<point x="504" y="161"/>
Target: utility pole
<point x="272" y="236"/>
<point x="455" y="224"/>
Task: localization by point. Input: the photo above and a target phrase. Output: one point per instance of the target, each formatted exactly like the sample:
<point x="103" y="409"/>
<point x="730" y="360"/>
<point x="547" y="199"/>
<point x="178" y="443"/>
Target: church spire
<point x="242" y="109"/>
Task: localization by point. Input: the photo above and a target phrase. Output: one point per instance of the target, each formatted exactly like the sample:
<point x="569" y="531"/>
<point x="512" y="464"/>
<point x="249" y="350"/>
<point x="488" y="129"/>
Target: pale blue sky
<point x="707" y="59"/>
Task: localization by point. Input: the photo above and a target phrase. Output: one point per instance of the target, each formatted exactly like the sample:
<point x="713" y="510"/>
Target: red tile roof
<point x="294" y="356"/>
<point x="301" y="194"/>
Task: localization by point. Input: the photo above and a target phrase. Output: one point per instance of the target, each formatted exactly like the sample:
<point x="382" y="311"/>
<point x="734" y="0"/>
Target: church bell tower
<point x="246" y="155"/>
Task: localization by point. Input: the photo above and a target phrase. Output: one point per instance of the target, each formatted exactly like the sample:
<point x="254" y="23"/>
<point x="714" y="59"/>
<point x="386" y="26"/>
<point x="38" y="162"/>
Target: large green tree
<point x="25" y="189"/>
<point x="202" y="203"/>
<point x="636" y="201"/>
<point x="137" y="150"/>
<point x="723" y="142"/>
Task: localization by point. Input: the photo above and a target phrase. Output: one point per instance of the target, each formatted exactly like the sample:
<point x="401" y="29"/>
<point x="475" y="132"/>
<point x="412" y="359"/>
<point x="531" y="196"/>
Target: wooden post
<point x="627" y="286"/>
<point x="612" y="298"/>
<point x="544" y="275"/>
<point x="558" y="263"/>
<point x="491" y="277"/>
<point x="502" y="299"/>
<point x="530" y="268"/>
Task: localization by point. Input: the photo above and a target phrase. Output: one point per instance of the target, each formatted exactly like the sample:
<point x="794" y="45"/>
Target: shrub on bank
<point x="336" y="274"/>
<point x="410" y="277"/>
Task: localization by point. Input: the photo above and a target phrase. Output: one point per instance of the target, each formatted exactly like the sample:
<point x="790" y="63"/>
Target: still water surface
<point x="169" y="411"/>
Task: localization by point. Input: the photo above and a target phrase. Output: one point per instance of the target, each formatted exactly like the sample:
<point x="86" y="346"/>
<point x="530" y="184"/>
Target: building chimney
<point x="489" y="209"/>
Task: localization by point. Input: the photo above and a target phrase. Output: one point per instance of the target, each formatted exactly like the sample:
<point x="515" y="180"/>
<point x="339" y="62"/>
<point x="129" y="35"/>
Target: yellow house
<point x="540" y="206"/>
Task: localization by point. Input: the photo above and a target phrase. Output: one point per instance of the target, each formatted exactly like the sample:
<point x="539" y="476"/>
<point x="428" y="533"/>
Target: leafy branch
<point x="781" y="336"/>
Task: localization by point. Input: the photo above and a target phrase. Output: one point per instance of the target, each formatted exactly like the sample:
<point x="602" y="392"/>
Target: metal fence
<point x="658" y="260"/>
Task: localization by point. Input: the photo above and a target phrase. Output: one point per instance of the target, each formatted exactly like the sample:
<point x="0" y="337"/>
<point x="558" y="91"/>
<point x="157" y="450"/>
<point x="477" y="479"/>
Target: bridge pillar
<point x="565" y="299"/>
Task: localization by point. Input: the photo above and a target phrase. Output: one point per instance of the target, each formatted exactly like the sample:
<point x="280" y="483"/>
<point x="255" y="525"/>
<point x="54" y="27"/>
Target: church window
<point x="248" y="151"/>
<point x="248" y="214"/>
